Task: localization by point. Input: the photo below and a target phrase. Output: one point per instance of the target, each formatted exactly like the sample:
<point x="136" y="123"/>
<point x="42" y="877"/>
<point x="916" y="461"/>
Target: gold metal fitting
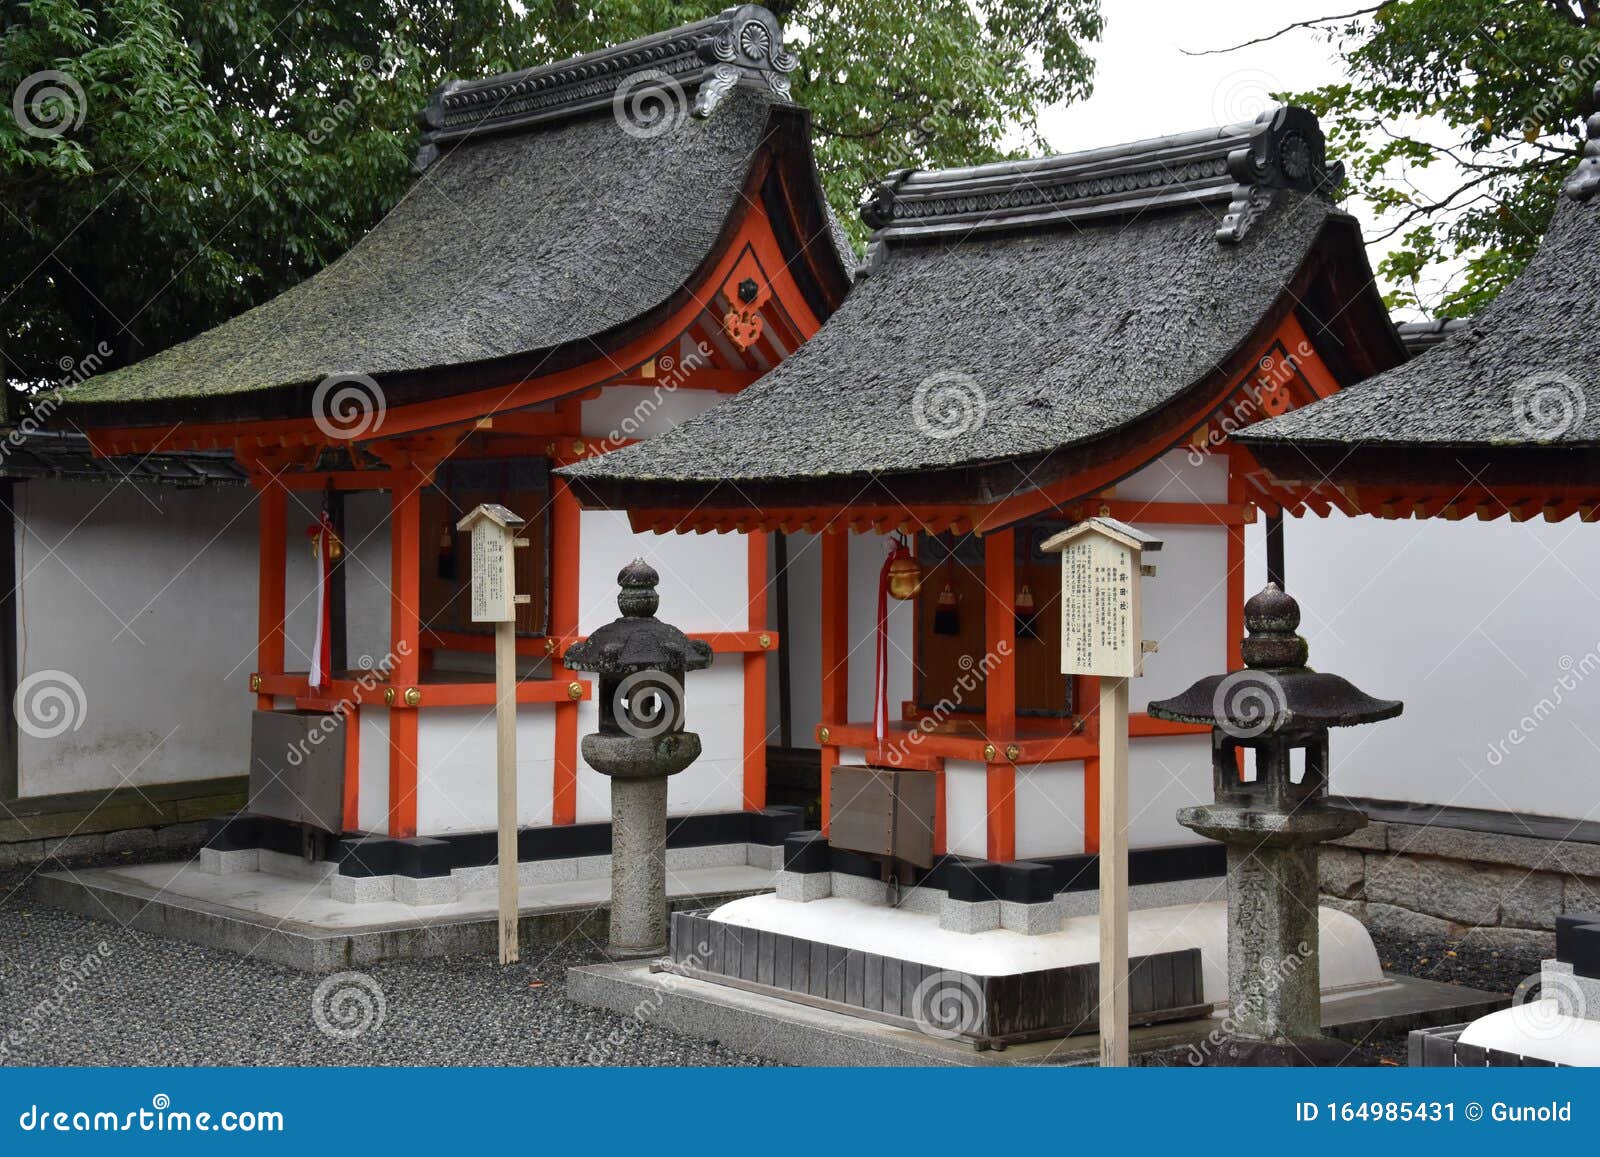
<point x="765" y="640"/>
<point x="255" y="682"/>
<point x="822" y="735"/>
<point x="988" y="753"/>
<point x="413" y="696"/>
<point x="388" y="696"/>
<point x="1013" y="752"/>
<point x="578" y="447"/>
<point x="549" y="646"/>
<point x="574" y="690"/>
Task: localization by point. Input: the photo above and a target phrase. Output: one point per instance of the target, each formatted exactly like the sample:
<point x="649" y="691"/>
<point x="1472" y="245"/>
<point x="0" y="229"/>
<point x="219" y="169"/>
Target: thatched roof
<point x="1009" y="312"/>
<point x="550" y="214"/>
<point x="1509" y="397"/>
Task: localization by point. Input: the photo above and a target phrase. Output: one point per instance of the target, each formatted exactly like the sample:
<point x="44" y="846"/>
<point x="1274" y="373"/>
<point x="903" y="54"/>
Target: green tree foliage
<point x="175" y="161"/>
<point x="1495" y="91"/>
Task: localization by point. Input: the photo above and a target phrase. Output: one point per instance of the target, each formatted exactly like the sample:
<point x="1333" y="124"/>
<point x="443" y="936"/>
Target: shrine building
<point x="591" y="251"/>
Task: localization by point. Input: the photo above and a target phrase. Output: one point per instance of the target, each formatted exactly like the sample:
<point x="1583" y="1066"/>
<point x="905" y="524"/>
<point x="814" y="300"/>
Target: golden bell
<point x="905" y="577"/>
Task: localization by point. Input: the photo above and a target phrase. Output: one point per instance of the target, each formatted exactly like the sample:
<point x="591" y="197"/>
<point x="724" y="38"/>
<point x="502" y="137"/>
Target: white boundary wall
<point x="146" y="596"/>
<point x="1490" y="633"/>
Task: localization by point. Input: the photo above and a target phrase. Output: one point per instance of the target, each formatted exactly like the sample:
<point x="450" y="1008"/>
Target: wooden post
<point x="505" y="718"/>
<point x="1102" y="637"/>
<point x="1113" y="871"/>
<point x="494" y="535"/>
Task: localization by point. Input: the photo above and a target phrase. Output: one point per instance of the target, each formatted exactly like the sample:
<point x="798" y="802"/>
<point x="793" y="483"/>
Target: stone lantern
<point x="1272" y="821"/>
<point x="641" y="663"/>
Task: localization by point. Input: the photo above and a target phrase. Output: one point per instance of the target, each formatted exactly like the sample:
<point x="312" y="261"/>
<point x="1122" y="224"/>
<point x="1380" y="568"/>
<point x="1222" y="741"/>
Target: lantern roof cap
<point x="1276" y="692"/>
<point x="638" y="641"/>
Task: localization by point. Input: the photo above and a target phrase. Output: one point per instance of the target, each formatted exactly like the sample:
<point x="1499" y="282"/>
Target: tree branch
<point x="1285" y="30"/>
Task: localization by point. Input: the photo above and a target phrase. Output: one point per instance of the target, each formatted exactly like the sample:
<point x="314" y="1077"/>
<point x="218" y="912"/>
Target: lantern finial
<point x="1270" y="617"/>
<point x="638" y="598"/>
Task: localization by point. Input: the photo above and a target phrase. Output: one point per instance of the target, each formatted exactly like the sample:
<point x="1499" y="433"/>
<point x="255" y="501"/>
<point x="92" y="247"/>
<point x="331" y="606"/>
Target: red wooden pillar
<point x="1000" y="687"/>
<point x="565" y="525"/>
<point x="273" y="510"/>
<point x="755" y="679"/>
<point x="835" y="649"/>
<point x="405" y="588"/>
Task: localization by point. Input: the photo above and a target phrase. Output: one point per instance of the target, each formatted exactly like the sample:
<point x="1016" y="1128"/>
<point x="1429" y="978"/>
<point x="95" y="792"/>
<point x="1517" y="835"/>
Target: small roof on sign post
<point x="1120" y="532"/>
<point x="494" y="512"/>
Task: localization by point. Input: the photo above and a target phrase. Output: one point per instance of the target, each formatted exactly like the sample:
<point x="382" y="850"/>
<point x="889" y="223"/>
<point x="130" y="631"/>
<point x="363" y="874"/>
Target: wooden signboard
<point x="493" y="579"/>
<point x="1102" y="635"/>
<point x="494" y="600"/>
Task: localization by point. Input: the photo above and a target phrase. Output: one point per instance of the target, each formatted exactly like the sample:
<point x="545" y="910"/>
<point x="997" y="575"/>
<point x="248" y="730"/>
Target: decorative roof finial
<point x="1585" y="179"/>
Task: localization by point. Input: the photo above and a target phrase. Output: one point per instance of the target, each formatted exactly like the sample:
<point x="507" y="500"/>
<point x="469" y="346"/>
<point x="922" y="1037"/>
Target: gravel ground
<point x="1449" y="962"/>
<point x="81" y="992"/>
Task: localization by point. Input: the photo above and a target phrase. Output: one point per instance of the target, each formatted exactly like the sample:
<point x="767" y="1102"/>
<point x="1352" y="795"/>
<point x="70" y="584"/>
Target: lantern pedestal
<point x="638" y="868"/>
<point x="1274" y="972"/>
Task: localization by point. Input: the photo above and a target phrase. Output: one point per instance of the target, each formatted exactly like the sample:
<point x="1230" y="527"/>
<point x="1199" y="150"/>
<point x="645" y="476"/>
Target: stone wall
<point x="1496" y="891"/>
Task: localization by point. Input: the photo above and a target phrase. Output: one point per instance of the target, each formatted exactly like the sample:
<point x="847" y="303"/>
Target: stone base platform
<point x="798" y="1034"/>
<point x="297" y="921"/>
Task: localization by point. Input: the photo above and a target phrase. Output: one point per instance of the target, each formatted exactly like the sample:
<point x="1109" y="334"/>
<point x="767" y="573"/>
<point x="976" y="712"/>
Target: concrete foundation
<point x="791" y="1033"/>
<point x="295" y="920"/>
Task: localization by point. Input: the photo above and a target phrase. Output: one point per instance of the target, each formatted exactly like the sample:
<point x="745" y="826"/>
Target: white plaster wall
<point x="1165" y="774"/>
<point x="966" y="804"/>
<point x="145" y="596"/>
<point x="456" y="787"/>
<point x="626" y="413"/>
<point x="1176" y="477"/>
<point x="1049" y="810"/>
<point x="372" y="804"/>
<point x="704" y="587"/>
<point x="1490" y="633"/>
<point x="1185" y="610"/>
<point x="803" y="644"/>
<point x="867" y="552"/>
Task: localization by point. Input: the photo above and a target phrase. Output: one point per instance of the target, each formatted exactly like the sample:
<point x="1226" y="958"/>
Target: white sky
<point x="1144" y="86"/>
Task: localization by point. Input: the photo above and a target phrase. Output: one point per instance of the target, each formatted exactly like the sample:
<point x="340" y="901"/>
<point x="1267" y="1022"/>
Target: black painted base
<point x="421" y="856"/>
